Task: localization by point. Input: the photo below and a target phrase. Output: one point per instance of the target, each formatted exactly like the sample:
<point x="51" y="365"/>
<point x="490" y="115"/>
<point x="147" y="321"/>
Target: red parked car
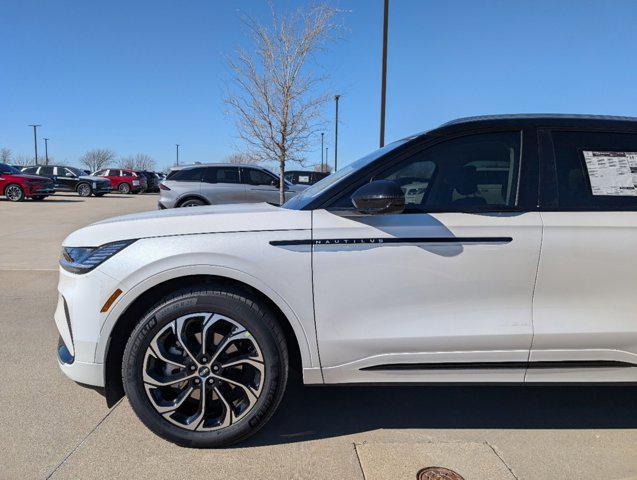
<point x="16" y="186"/>
<point x="124" y="180"/>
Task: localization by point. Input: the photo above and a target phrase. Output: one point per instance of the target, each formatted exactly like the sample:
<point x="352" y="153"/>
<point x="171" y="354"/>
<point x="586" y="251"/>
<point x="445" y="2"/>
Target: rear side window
<point x="30" y="170"/>
<point x="596" y="170"/>
<point x="221" y="175"/>
<point x="46" y="171"/>
<point x="187" y="175"/>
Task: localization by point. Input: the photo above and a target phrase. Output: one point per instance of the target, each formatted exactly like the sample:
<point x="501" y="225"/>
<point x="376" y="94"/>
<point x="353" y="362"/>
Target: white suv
<point x="515" y="264"/>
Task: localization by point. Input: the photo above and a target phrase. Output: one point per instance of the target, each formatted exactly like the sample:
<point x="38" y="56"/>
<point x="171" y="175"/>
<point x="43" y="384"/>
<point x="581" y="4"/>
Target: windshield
<point x="304" y="198"/>
<point x="4" y="168"/>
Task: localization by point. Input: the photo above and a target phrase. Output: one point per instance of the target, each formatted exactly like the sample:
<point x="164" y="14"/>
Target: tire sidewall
<point x="13" y="185"/>
<point x="242" y="313"/>
<point x="79" y="190"/>
<point x="194" y="203"/>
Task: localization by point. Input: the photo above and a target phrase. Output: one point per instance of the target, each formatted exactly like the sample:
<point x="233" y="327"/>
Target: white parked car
<point x="516" y="264"/>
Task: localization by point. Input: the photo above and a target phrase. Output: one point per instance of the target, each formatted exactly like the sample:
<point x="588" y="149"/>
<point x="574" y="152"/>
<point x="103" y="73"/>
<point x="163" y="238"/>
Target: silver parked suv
<point x="219" y="183"/>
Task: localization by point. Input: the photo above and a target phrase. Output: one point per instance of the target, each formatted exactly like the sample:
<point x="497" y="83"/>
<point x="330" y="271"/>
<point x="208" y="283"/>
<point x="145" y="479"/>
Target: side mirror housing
<point x="379" y="197"/>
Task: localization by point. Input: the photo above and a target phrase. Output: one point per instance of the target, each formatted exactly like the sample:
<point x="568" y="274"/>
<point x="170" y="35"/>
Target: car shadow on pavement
<point x="308" y="413"/>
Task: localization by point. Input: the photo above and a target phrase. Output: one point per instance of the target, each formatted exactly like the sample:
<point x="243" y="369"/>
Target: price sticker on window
<point x="612" y="173"/>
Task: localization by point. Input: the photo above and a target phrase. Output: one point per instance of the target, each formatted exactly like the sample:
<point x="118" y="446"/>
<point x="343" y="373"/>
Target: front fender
<point x="308" y="350"/>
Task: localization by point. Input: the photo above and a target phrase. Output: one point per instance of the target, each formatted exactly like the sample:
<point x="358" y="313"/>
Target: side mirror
<point x="379" y="197"/>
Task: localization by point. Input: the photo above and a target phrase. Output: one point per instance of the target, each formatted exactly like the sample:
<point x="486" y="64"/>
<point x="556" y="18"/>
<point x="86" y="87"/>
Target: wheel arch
<point x="129" y="318"/>
<point x="191" y="196"/>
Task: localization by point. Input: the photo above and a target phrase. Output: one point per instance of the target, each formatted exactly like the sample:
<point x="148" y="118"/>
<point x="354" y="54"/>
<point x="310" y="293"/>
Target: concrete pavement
<point x="53" y="428"/>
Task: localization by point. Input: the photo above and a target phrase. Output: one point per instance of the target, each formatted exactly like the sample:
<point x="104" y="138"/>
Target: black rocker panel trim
<point x="503" y="365"/>
<point x="385" y="241"/>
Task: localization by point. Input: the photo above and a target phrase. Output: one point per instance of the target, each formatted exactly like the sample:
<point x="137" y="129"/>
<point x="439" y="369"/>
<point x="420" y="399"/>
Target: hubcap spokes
<point x="203" y="371"/>
<point x="13" y="192"/>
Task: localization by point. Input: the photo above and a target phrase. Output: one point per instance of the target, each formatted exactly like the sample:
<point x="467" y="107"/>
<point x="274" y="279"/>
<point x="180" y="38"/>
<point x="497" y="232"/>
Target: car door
<point x="585" y="306"/>
<point x="261" y="186"/>
<point x="48" y="172"/>
<point x="5" y="171"/>
<point x="65" y="179"/>
<point x="442" y="291"/>
<point x="110" y="175"/>
<point x="222" y="185"/>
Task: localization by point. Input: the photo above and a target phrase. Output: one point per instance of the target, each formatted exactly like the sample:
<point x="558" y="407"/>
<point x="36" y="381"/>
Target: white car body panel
<point x="585" y="306"/>
<point x="222" y="250"/>
<point x="362" y="305"/>
<point x="424" y="302"/>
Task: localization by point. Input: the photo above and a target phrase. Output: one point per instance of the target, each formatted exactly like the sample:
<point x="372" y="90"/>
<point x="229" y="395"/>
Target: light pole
<point x="326" y="157"/>
<point x="46" y="151"/>
<point x="322" y="152"/>
<point x="383" y="88"/>
<point x="177" y="145"/>
<point x="336" y="97"/>
<point x="35" y="141"/>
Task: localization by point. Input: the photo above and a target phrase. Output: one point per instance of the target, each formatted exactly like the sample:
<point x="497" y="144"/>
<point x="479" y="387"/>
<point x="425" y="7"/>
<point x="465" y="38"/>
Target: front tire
<point x="207" y="367"/>
<point x="14" y="192"/>
<point x="84" y="190"/>
<point x="193" y="202"/>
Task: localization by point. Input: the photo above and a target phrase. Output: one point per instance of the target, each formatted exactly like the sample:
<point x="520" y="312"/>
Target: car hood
<point x="243" y="217"/>
<point x="93" y="178"/>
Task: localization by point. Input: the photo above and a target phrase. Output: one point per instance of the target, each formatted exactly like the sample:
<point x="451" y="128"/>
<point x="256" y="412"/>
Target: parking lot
<point x="53" y="428"/>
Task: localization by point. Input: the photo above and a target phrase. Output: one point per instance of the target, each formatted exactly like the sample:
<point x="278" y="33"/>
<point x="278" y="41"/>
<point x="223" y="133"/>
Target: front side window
<point x="252" y="176"/>
<point x="221" y="175"/>
<point x="75" y="171"/>
<point x="474" y="172"/>
<point x="595" y="170"/>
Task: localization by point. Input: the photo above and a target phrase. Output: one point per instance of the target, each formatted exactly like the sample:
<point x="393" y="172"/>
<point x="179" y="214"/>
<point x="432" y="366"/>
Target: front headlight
<point x="84" y="259"/>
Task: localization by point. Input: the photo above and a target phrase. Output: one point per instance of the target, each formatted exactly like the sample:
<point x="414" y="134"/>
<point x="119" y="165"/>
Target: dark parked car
<point x="71" y="179"/>
<point x="299" y="177"/>
<point x="152" y="181"/>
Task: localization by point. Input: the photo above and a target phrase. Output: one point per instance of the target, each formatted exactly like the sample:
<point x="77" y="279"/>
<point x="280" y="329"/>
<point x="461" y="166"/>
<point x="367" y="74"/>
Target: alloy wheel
<point x="203" y="371"/>
<point x="191" y="203"/>
<point x="14" y="193"/>
<point x="84" y="190"/>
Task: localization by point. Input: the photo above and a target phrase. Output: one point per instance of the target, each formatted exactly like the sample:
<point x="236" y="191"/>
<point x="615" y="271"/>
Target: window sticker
<point x="612" y="173"/>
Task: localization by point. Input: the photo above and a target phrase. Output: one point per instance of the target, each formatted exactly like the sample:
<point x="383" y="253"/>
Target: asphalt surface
<point x="53" y="428"/>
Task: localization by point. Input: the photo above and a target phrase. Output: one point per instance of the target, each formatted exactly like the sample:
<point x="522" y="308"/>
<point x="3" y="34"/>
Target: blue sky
<point x="140" y="76"/>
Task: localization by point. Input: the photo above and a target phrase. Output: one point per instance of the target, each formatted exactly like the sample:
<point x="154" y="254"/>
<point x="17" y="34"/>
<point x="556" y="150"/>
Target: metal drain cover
<point x="437" y="473"/>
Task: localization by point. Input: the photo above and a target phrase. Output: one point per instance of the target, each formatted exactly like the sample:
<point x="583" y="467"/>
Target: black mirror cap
<point x="379" y="197"/>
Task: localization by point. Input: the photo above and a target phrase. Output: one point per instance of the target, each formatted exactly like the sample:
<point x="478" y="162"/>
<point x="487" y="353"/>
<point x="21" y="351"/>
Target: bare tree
<point x="96" y="159"/>
<point x="323" y="168"/>
<point x="5" y="155"/>
<point x="140" y="161"/>
<point x="241" y="159"/>
<point x="23" y="160"/>
<point x="273" y="95"/>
